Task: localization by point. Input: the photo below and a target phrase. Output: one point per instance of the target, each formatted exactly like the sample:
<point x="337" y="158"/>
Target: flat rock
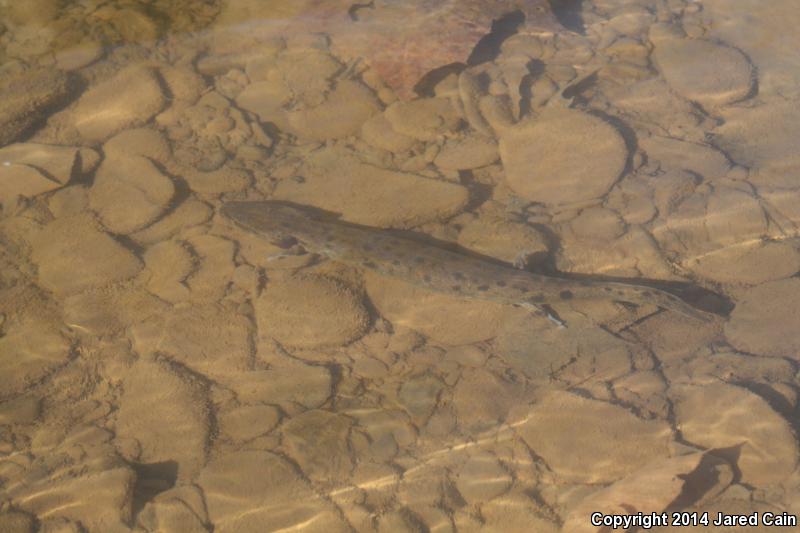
<point x="706" y="72"/>
<point x="342" y="114"/>
<point x="482" y="478"/>
<point x="25" y="100"/>
<point x="672" y="153"/>
<point x="207" y="339"/>
<point x="311" y="312"/>
<point x="23" y="180"/>
<point x="482" y="400"/>
<point x="720" y="416"/>
<point x="377" y="131"/>
<point x="164" y="410"/>
<point x="766" y="320"/>
<point x="56" y="162"/>
<point x="385" y="198"/>
<point x="443" y="317"/>
<point x="287" y="381"/>
<point x="590" y="441"/>
<point x="147" y="193"/>
<point x="145" y="142"/>
<point x="752" y="262"/>
<point x="129" y="99"/>
<point x="267" y="99"/>
<point x="425" y="119"/>
<point x="73" y="255"/>
<point x="760" y="138"/>
<point x="467" y="153"/>
<point x="562" y="156"/>
<point x="34" y="348"/>
<point x="318" y="441"/>
<point x="276" y="499"/>
<point x="652" y="489"/>
<point x="247" y="422"/>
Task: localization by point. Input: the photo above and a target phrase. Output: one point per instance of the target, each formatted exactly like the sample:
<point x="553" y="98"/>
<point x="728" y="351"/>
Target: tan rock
<point x="563" y="156"/>
<point x="760" y="442"/>
<point x="56" y="162"/>
<point x="23" y="180"/>
<point x="310" y="312"/>
<point x="652" y="489"/>
<point x="33" y="348"/>
<point x="342" y="114"/>
<point x="267" y="100"/>
<point x="700" y="159"/>
<point x="482" y="478"/>
<point x="247" y="422"/>
<point x="73" y="255"/>
<point x="145" y="142"/>
<point x="589" y="441"/>
<point x="164" y="410"/>
<point x="26" y="98"/>
<point x="189" y="213"/>
<point x="425" y="119"/>
<point x="385" y="198"/>
<point x="217" y="181"/>
<point x="147" y="193"/>
<point x="318" y="441"/>
<point x="445" y="318"/>
<point x="278" y="499"/>
<point x="377" y="131"/>
<point x="129" y="99"/>
<point x="766" y="319"/>
<point x="467" y="153"/>
<point x="482" y="400"/>
<point x="727" y="74"/>
<point x="750" y="262"/>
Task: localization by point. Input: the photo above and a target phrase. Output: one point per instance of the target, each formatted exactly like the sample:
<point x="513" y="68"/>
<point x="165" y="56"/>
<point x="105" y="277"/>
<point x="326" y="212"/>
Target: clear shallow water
<point x="164" y="370"/>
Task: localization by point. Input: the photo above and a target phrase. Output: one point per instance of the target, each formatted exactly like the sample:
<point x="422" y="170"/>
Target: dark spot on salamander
<point x="366" y="247"/>
<point x="584" y="283"/>
<point x="607" y="289"/>
<point x="456" y="288"/>
<point x="458" y="275"/>
<point x="369" y="264"/>
<point x="537" y="299"/>
<point x="483" y="288"/>
<point x="521" y="288"/>
<point x="419" y="259"/>
<point x="426" y="278"/>
<point x="500" y="283"/>
<point x="396" y="262"/>
<point x="329" y="238"/>
<point x="565" y="295"/>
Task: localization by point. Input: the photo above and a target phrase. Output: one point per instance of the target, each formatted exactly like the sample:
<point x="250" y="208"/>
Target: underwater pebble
<point x="482" y="478"/>
<point x="580" y="439"/>
<point x="720" y="416"/>
<point x="467" y="153"/>
<point x="766" y="320"/>
<point x="697" y="158"/>
<point x="311" y="311"/>
<point x="129" y="99"/>
<point x="424" y="119"/>
<point x="563" y="156"/>
<point x="145" y="142"/>
<point x="342" y="113"/>
<point x="164" y="409"/>
<point x="386" y="198"/>
<point x="377" y="131"/>
<point x="276" y="499"/>
<point x="74" y="255"/>
<point x="26" y="98"/>
<point x="146" y="190"/>
<point x="708" y="73"/>
<point x="318" y="441"/>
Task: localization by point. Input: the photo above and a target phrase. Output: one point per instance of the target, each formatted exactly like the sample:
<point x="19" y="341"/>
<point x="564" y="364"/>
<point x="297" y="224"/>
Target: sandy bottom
<point x="162" y="370"/>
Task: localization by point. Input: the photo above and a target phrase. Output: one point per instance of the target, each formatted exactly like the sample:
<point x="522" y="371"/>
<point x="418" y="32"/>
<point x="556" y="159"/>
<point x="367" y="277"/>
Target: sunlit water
<point x="167" y="365"/>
